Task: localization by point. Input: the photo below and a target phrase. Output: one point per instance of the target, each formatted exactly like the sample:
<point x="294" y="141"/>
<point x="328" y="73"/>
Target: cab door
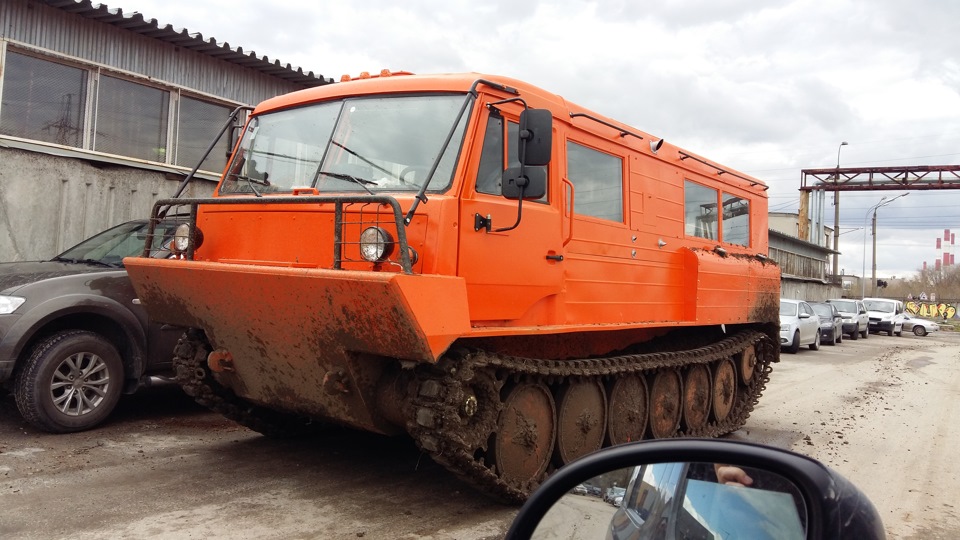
<point x="513" y="276"/>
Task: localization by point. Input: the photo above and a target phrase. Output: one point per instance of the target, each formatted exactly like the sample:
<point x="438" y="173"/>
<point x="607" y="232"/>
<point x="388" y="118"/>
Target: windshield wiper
<point x="362" y="182"/>
<point x="251" y="181"/>
<point x="95" y="262"/>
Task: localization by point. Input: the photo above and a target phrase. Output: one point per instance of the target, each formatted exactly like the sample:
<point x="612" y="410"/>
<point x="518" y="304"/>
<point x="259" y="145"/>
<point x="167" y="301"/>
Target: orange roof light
<point x="367" y="75"/>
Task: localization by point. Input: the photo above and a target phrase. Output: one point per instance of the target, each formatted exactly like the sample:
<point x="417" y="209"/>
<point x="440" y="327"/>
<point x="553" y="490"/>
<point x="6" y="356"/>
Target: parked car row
<point x="812" y="323"/>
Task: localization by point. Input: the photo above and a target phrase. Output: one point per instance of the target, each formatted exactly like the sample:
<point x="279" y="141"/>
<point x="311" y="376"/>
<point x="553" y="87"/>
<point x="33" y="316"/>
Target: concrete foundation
<point x="50" y="203"/>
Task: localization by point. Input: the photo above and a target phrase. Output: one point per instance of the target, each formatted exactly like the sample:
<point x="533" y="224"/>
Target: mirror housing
<point x="835" y="508"/>
<point x="533" y="180"/>
<point x="536" y="137"/>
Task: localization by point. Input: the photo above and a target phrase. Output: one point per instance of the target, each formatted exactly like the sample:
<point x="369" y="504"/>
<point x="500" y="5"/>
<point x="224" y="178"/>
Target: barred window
<point x="43" y="100"/>
<point x="131" y="119"/>
<point x="199" y="122"/>
<point x="48" y="100"/>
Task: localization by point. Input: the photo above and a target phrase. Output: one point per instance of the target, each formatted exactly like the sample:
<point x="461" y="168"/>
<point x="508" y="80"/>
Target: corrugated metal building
<point x="103" y="112"/>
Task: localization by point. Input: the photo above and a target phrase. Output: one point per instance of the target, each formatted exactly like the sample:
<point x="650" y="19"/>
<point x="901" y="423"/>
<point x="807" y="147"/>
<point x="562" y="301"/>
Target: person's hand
<point x="732" y="476"/>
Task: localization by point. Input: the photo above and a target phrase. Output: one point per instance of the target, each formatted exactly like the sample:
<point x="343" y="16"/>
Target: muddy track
<point x="460" y="440"/>
<point x="454" y="407"/>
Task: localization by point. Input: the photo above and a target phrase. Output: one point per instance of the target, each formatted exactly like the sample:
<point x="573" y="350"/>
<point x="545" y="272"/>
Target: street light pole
<point x="883" y="202"/>
<point x="836" y="214"/>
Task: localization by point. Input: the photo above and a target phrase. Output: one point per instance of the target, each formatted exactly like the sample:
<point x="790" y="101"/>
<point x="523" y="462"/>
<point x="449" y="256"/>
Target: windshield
<point x="875" y="305"/>
<point x="845" y="306"/>
<point x="823" y="310"/>
<point x="788" y="309"/>
<point x="125" y="240"/>
<point x="359" y="144"/>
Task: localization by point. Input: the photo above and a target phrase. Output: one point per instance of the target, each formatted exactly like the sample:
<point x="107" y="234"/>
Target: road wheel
<point x="525" y="436"/>
<point x="833" y="338"/>
<point x="696" y="397"/>
<point x="919" y="330"/>
<point x="795" y="346"/>
<point x="581" y="420"/>
<point x="865" y="333"/>
<point x="898" y="334"/>
<point x="666" y="404"/>
<point x="890" y="332"/>
<point x="70" y="382"/>
<point x="815" y="346"/>
<point x="838" y="335"/>
<point x="628" y="410"/>
<point x="855" y="334"/>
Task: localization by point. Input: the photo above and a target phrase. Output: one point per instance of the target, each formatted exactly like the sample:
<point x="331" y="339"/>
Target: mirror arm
<point x="519" y="211"/>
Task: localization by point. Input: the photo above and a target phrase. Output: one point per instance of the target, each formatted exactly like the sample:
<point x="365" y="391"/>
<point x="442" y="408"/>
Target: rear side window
<point x="736" y="220"/>
<point x="598" y="182"/>
<point x="699" y="210"/>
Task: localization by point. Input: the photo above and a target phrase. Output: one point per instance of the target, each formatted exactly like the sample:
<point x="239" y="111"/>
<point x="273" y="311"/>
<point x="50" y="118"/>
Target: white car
<point x="856" y="322"/>
<point x="799" y="326"/>
<point x="886" y="315"/>
<point x="920" y="327"/>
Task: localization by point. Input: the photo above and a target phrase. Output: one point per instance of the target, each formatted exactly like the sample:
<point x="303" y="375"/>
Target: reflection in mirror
<point x="678" y="500"/>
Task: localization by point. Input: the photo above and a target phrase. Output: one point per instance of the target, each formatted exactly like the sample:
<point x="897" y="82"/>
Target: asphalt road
<point x="883" y="411"/>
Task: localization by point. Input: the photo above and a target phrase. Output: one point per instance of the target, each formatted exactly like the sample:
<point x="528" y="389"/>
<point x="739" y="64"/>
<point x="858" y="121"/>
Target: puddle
<point x="920" y="362"/>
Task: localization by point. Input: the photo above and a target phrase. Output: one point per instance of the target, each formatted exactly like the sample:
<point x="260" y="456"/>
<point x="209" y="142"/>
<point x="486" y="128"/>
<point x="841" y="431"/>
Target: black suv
<point x="73" y="335"/>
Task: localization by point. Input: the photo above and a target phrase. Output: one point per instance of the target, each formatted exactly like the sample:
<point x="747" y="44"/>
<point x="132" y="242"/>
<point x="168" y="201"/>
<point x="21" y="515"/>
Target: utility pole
<point x="873" y="278"/>
<point x="836" y="215"/>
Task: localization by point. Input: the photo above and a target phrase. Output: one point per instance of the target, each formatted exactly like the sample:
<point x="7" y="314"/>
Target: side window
<point x="699" y="210"/>
<point x="490" y="172"/>
<point x="736" y="220"/>
<point x="598" y="181"/>
<point x="491" y="157"/>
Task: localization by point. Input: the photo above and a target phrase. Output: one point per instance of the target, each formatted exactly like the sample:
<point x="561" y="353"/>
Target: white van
<point x="886" y="315"/>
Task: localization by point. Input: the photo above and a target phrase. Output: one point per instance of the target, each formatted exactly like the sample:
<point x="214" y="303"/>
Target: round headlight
<point x="376" y="244"/>
<point x="184" y="236"/>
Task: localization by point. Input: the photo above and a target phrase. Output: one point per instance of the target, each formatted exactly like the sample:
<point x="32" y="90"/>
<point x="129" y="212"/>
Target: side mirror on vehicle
<point x="533" y="182"/>
<point x="536" y="137"/>
<point x="804" y="316"/>
<point x="698" y="488"/>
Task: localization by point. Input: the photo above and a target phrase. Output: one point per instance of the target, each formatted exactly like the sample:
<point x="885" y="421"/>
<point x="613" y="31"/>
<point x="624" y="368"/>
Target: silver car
<point x="918" y="326"/>
<point x="799" y="325"/>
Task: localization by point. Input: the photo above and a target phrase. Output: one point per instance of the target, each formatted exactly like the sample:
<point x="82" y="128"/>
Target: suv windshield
<point x="125" y="240"/>
<point x="359" y="144"/>
<point x="823" y="310"/>
<point x="845" y="306"/>
<point x="875" y="305"/>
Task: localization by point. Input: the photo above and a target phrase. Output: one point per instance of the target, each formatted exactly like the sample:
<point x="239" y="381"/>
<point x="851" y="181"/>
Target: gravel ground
<point x="884" y="412"/>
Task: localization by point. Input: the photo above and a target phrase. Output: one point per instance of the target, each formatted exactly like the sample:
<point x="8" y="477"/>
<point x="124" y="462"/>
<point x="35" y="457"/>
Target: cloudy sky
<point x="766" y="87"/>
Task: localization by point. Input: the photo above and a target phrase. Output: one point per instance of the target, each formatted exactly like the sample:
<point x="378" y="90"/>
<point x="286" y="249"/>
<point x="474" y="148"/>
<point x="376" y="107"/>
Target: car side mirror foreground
<point x="695" y="488"/>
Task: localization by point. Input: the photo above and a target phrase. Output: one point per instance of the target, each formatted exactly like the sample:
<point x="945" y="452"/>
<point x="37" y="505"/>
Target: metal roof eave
<point x="136" y="23"/>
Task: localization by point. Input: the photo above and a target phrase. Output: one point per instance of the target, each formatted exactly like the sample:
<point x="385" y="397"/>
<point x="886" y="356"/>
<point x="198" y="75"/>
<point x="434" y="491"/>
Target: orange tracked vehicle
<point x="506" y="277"/>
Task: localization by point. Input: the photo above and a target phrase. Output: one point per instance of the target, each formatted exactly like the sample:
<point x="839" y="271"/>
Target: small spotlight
<point x="655" y="145"/>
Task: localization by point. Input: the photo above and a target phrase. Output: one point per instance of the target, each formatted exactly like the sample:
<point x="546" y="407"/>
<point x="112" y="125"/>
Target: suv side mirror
<point x="536" y="137"/>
